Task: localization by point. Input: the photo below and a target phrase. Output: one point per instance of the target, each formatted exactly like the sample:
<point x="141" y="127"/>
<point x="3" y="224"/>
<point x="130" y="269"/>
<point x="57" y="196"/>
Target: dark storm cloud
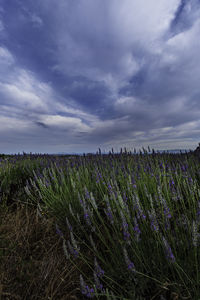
<point x="83" y="74"/>
<point x="187" y="13"/>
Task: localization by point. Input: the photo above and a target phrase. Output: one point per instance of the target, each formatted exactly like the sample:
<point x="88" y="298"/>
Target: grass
<point x="118" y="226"/>
<point x="32" y="264"/>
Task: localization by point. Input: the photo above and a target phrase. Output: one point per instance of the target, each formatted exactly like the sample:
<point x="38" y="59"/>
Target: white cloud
<point x="102" y="39"/>
<point x="36" y="20"/>
<point x="69" y="123"/>
<point x="6" y="58"/>
<point x="12" y="124"/>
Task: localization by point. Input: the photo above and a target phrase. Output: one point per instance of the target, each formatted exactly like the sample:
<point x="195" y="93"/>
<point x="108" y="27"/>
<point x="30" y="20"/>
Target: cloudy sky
<point x="76" y="75"/>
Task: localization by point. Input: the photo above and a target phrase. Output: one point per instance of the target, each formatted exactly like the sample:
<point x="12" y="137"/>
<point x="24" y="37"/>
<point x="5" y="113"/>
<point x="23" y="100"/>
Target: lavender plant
<point x="137" y="215"/>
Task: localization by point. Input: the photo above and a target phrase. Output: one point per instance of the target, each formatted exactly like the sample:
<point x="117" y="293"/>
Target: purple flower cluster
<point x="85" y="290"/>
<point x="98" y="269"/>
<point x="98" y="273"/>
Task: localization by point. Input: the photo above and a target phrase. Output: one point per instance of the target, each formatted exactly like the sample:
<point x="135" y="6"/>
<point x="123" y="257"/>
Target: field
<point x="118" y="226"/>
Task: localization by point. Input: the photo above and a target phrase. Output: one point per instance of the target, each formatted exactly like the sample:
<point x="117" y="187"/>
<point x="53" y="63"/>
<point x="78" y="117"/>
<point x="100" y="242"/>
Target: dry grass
<point x="32" y="262"/>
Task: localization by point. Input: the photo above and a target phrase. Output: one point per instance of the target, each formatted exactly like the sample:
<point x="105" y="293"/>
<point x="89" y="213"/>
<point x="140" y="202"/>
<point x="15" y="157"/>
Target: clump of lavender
<point x="85" y="289"/>
<point x="98" y="273"/>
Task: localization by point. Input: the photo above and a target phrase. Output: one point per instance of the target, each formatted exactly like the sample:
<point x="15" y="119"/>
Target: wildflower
<point x="98" y="269"/>
<point x="138" y="207"/>
<point x="73" y="251"/>
<point x="163" y="201"/>
<point x="125" y="228"/>
<point x="168" y="251"/>
<point x="87" y="214"/>
<point x="89" y="292"/>
<point x="137" y="230"/>
<point x="108" y="213"/>
<point x="110" y="189"/>
<point x="154" y="223"/>
<point x="98" y="284"/>
<point x="129" y="263"/>
<point x="87" y="194"/>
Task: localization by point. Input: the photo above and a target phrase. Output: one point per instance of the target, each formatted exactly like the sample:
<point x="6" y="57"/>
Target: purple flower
<point x="85" y="290"/>
<point x="154" y="223"/>
<point x="73" y="250"/>
<point x="138" y="208"/>
<point x="87" y="216"/>
<point x="126" y="233"/>
<point x="98" y="284"/>
<point x="98" y="269"/>
<point x="87" y="194"/>
<point x="137" y="230"/>
<point x="108" y="213"/>
<point x="168" y="251"/>
<point x="129" y="263"/>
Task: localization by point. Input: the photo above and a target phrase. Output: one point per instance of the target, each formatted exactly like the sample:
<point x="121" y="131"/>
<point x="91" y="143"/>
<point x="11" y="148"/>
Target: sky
<point x="78" y="75"/>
